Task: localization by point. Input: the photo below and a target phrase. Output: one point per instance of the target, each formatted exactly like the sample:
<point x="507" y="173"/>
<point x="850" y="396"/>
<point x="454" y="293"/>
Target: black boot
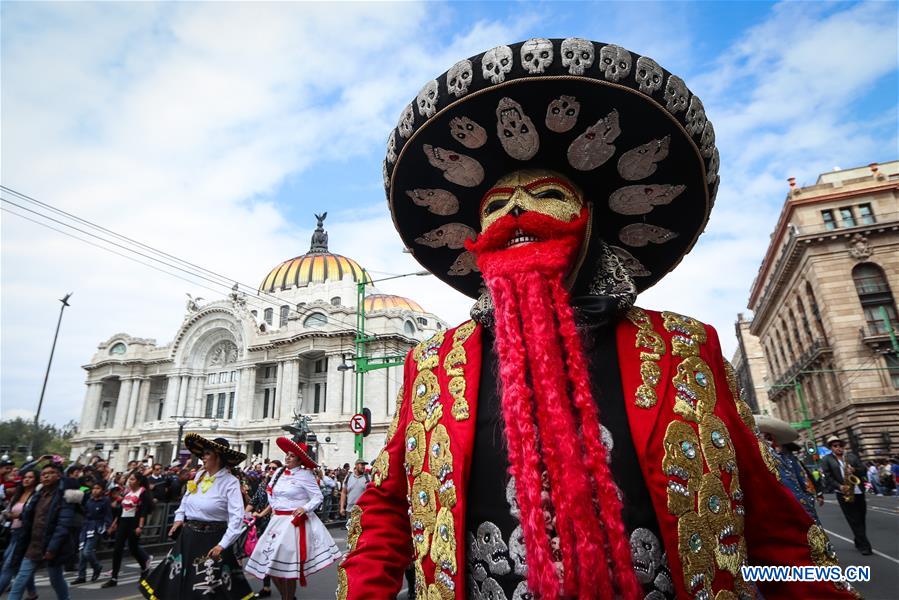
<point x="110" y="583"/>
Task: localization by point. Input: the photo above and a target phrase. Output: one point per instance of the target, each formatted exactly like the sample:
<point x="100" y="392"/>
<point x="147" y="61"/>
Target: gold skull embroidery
<point x="682" y="465"/>
<point x="716" y="444"/>
<point x="695" y="389"/>
<point x="716" y="512"/>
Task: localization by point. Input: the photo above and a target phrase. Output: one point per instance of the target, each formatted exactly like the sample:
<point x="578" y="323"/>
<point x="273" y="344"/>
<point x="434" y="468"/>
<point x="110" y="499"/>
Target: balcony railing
<point x="808" y="356"/>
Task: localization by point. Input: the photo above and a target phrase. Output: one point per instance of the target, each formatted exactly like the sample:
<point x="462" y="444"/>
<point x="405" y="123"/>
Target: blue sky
<point x="214" y="131"/>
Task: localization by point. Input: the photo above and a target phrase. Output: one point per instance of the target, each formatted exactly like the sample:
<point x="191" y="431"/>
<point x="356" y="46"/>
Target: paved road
<point x="883" y="527"/>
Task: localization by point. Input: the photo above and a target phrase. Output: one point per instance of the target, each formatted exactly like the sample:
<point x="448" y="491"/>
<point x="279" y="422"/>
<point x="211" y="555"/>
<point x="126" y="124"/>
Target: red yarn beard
<point x="552" y="423"/>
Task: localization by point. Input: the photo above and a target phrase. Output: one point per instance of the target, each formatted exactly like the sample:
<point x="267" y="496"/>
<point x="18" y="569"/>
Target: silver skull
<point x="427" y="99"/>
<point x="391" y="147"/>
<point x="469" y="133"/>
<point x="459" y="77"/>
<point x="696" y="118"/>
<point x="496" y="62"/>
<point x="562" y="113"/>
<point x="614" y="62"/>
<point x="536" y="55"/>
<point x="516" y="131"/>
<point x="646" y="554"/>
<point x="676" y="94"/>
<point x="648" y="75"/>
<point x="407" y="120"/>
<point x="577" y="55"/>
<point x="707" y="141"/>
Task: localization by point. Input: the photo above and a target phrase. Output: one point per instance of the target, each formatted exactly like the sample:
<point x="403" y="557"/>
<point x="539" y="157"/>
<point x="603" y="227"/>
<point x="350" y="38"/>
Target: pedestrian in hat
<point x="840" y="466"/>
<point x="565" y="443"/>
<point x="296" y="544"/>
<point x="202" y="564"/>
<point x="793" y="473"/>
<point x="353" y="485"/>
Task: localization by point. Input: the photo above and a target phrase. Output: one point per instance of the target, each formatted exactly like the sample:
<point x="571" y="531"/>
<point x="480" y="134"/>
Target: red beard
<point x="552" y="423"/>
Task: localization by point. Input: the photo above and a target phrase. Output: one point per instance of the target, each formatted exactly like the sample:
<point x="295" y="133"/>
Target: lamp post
<point x="364" y="364"/>
<point x="183" y="421"/>
<point x="40" y="402"/>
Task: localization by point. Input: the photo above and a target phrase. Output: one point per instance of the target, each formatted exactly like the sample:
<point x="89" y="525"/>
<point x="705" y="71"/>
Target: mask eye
<point x="551" y="194"/>
<point x="494" y="206"/>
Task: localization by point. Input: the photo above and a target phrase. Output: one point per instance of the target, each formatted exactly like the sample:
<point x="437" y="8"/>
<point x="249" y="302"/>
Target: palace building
<point x="243" y="366"/>
<point x="824" y="309"/>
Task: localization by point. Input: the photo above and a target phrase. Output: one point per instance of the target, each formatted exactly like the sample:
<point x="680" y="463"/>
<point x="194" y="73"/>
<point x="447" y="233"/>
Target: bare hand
<point x="175" y="527"/>
<point x="299" y="511"/>
<point x="111" y="529"/>
<point x="215" y="552"/>
<point x="820" y="500"/>
<point x="342" y="513"/>
<point x="49" y="555"/>
<point x="137" y="531"/>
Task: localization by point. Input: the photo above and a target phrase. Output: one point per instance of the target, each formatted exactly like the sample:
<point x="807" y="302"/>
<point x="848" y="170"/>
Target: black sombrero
<point x="197" y="444"/>
<point x="626" y="131"/>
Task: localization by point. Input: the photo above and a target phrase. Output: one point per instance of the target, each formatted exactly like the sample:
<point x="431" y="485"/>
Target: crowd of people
<point x="58" y="516"/>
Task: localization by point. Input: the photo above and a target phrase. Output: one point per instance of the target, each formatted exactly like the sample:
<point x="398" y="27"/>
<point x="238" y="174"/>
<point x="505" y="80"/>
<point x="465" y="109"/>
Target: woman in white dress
<point x="202" y="564"/>
<point x="296" y="543"/>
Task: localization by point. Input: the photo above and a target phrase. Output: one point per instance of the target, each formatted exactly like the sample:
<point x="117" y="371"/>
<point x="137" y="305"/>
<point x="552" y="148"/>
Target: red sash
<point x="299" y="522"/>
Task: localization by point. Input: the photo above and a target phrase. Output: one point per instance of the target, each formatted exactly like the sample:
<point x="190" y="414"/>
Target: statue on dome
<point x="320" y="236"/>
<point x="193" y="304"/>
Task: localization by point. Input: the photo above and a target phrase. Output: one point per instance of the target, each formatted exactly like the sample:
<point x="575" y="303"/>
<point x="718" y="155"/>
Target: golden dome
<point x="315" y="267"/>
<point x="387" y="302"/>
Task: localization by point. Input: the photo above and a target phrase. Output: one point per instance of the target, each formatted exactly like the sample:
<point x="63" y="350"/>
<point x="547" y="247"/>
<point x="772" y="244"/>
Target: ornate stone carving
<point x="859" y="248"/>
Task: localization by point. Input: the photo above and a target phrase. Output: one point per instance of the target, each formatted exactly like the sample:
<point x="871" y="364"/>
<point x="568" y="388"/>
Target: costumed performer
<point x="295" y="543"/>
<point x="565" y="443"/>
<point x="202" y="564"/>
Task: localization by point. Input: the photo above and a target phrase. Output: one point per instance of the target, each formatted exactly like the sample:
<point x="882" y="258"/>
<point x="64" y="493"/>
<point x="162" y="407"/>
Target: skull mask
<point x="562" y="113"/>
<point x="577" y="55"/>
<point x="458" y="168"/>
<point x="648" y="75"/>
<point x="496" y="62"/>
<point x="676" y="94"/>
<point x="640" y="162"/>
<point x="469" y="133"/>
<point x="516" y="131"/>
<point x="614" y="62"/>
<point x="439" y="202"/>
<point x="458" y="78"/>
<point x="594" y="147"/>
<point x="427" y="99"/>
<point x="682" y="465"/>
<point x="536" y="55"/>
<point x="646" y="554"/>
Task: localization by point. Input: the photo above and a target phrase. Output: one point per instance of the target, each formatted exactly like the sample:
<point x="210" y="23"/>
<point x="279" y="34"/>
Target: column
<point x="182" y="395"/>
<point x="279" y="390"/>
<point x="121" y="405"/>
<point x="173" y="387"/>
<point x="91" y="403"/>
<point x="246" y="390"/>
<point x="288" y="389"/>
<point x="133" y="402"/>
<point x="141" y="415"/>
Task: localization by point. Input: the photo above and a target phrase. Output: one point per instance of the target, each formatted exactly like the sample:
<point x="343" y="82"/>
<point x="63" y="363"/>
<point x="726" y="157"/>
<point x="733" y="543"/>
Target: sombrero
<point x="300" y="449"/>
<point x="779" y="429"/>
<point x="627" y="132"/>
<point x="197" y="444"/>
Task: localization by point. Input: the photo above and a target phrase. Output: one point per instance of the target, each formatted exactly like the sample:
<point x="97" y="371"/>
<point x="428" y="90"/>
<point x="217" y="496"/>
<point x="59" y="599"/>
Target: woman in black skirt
<point x="201" y="564"/>
<point x="136" y="505"/>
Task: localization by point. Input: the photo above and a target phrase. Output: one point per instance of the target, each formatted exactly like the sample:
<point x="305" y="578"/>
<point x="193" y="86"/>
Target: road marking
<point x="877" y="552"/>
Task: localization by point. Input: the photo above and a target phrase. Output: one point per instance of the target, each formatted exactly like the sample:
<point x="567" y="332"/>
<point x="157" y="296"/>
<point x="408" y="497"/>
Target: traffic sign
<point x="357" y="423"/>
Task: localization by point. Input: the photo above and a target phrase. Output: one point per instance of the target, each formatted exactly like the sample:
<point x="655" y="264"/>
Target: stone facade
<point x="751" y="367"/>
<point x="243" y="366"/>
<point x="828" y="278"/>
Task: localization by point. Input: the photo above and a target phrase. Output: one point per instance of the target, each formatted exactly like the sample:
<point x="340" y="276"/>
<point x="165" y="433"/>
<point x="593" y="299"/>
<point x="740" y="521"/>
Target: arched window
<point x="315" y="320"/>
<point x="269" y="313"/>
<point x="875" y="297"/>
<point x="335" y="301"/>
<point x="409" y="328"/>
<point x="118" y="348"/>
<point x="794" y="329"/>
<point x="282" y="318"/>
<point x="803" y="316"/>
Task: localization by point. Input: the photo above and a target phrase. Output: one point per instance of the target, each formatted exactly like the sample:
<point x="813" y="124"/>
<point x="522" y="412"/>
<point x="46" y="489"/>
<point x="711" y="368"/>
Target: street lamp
<point x="363" y="363"/>
<point x="184" y="420"/>
<point x="40" y="402"/>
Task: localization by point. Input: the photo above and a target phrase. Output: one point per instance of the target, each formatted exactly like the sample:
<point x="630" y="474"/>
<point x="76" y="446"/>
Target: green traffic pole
<point x="805" y="415"/>
<point x="360" y="354"/>
<point x="890" y="330"/>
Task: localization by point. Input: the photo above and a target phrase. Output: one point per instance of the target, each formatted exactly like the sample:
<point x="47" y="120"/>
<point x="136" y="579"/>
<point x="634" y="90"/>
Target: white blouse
<point x="223" y="501"/>
<point x="296" y="489"/>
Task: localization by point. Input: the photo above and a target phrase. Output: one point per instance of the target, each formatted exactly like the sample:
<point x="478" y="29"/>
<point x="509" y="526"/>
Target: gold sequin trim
<point x="420" y="584"/>
<point x="823" y="553"/>
<point x="654" y="345"/>
<point x="342" y="588"/>
<point x="694" y="386"/>
<point x="425" y="354"/>
<point x="426" y="406"/>
<point x="452" y="364"/>
<point x="726" y="595"/>
<point x="354" y="529"/>
<point x="440" y="464"/>
<point x="688" y="334"/>
<point x="415" y="447"/>
<point x="682" y="465"/>
<point x="443" y="546"/>
<point x="424" y="499"/>
<point x="380" y="468"/>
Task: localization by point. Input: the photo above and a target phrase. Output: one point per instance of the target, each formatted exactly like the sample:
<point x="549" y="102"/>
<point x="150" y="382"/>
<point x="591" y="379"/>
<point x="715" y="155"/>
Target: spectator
<point x="97" y="519"/>
<point x="329" y="486"/>
<point x="17" y="502"/>
<point x="46" y="520"/>
<point x="7" y="478"/>
<point x="136" y="504"/>
<point x="353" y="486"/>
<point x="874" y="479"/>
<point x="159" y="483"/>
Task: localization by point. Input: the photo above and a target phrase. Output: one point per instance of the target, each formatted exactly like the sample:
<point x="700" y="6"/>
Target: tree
<point x="17" y="435"/>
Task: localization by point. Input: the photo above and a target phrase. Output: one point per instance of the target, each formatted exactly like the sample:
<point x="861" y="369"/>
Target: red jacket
<point x="685" y="419"/>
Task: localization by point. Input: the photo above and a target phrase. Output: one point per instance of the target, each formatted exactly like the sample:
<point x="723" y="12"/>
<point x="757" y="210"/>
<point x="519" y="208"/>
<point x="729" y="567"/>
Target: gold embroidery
<point x="823" y="553"/>
<point x="425" y="354"/>
<point x="354" y="529"/>
<point x="426" y="406"/>
<point x="421" y="538"/>
<point x="440" y="464"/>
<point x="725" y="595"/>
<point x="415" y="448"/>
<point x="424" y="499"/>
<point x="688" y="334"/>
<point x="342" y="587"/>
<point x="453" y="363"/>
<point x="394" y="424"/>
<point x="716" y="511"/>
<point x="731" y="377"/>
<point x="443" y="547"/>
<point x="380" y="467"/>
<point x="695" y="543"/>
<point x="695" y="389"/>
<point x="717" y="447"/>
<point x="682" y="465"/>
<point x="646" y="396"/>
<point x="420" y="583"/>
<point x="768" y="457"/>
